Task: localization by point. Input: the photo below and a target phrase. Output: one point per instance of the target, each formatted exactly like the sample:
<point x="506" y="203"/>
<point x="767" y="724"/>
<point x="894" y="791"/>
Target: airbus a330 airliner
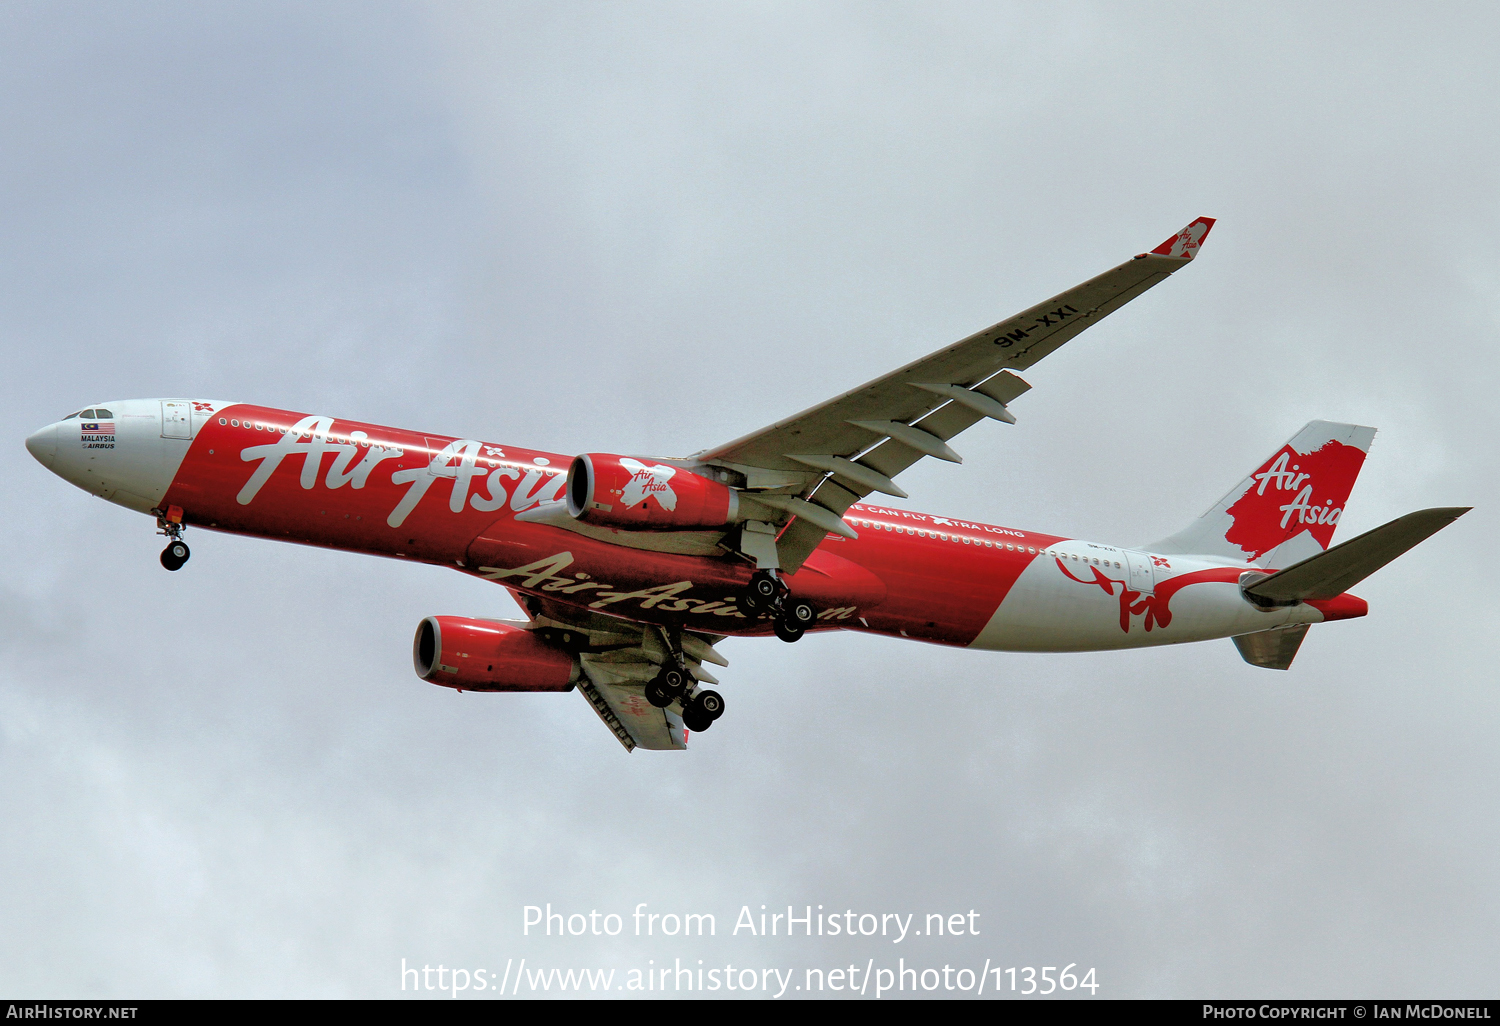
<point x="631" y="568"/>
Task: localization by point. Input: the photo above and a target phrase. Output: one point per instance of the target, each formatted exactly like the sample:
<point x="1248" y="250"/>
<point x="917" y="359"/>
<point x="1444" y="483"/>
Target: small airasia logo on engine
<point x="648" y="482"/>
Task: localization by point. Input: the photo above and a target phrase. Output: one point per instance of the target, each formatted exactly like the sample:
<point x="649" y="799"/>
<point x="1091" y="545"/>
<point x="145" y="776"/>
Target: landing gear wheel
<point x="674" y="680"/>
<point x="799" y="614"/>
<point x="696" y="720"/>
<point x="763" y="593"/>
<point x="764" y="586"/>
<point x="657" y="694"/>
<point x="668" y="686"/>
<point x="787" y="632"/>
<point x="710" y="703"/>
<point x="174" y="555"/>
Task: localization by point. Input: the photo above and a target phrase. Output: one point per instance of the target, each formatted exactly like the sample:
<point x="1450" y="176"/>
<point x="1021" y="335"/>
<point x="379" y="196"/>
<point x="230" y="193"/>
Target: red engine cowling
<point x="487" y="655"/>
<point x="619" y="491"/>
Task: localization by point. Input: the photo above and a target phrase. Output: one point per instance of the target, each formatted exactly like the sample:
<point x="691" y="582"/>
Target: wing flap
<point x="619" y="689"/>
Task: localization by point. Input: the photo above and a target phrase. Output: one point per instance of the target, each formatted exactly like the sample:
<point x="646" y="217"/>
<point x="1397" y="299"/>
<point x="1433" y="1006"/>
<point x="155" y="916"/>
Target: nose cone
<point x="43" y="445"/>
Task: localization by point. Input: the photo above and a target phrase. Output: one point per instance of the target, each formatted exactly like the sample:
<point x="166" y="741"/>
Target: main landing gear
<point x="170" y="524"/>
<point x="675" y="684"/>
<point x="767" y="595"/>
<point x="701" y="710"/>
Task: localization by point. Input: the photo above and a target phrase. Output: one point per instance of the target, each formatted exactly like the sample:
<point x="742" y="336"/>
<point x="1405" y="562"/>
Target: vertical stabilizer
<point x="1288" y="508"/>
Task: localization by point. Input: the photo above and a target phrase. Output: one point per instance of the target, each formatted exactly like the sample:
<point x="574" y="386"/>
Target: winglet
<point x="1184" y="245"/>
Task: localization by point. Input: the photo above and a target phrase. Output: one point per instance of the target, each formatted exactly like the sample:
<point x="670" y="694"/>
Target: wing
<point x="815" y="465"/>
<point x="618" y="658"/>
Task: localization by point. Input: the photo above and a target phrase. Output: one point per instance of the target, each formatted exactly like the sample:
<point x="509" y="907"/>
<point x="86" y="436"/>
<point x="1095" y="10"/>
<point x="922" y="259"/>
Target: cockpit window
<point x="103" y="414"/>
<point x="74" y="416"/>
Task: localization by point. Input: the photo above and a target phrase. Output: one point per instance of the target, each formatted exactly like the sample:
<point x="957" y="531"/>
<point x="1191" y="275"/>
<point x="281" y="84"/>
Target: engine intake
<point x="620" y="491"/>
<point x="489" y="655"/>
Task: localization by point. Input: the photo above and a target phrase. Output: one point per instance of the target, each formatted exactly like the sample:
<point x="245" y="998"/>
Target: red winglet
<point x="1184" y="245"/>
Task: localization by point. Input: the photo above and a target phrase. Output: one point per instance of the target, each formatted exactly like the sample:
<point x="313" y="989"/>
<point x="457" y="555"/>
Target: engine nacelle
<point x="487" y="655"/>
<point x="618" y="491"/>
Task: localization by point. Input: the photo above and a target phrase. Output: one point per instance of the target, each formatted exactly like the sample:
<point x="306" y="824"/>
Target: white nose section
<point x="43" y="445"/>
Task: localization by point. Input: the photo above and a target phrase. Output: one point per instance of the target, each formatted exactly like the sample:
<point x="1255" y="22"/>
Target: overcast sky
<point x="652" y="228"/>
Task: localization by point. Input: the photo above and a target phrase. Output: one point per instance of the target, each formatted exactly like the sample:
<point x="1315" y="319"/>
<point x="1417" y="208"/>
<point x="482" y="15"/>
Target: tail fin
<point x="1288" y="508"/>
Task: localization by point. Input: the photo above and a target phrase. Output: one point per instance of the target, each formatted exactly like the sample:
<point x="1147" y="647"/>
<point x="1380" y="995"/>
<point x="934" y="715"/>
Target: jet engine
<point x="489" y="655"/>
<point x="620" y="491"/>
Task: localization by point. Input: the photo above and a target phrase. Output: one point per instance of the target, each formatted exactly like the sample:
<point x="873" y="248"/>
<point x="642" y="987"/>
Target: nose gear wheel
<point x="174" y="555"/>
<point x="169" y="523"/>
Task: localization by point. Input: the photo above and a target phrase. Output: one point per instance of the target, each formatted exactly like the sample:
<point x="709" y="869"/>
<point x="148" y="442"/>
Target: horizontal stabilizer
<point x="1274" y="649"/>
<point x="1330" y="574"/>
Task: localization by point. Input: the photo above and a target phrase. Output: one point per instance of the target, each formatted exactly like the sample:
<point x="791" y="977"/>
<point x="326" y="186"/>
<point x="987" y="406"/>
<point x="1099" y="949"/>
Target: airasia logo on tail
<point x="1292" y="493"/>
<point x="1306" y="511"/>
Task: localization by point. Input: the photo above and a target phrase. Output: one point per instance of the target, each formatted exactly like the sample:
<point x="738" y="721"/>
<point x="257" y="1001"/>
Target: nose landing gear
<point x="169" y="523"/>
<point x="174" y="555"/>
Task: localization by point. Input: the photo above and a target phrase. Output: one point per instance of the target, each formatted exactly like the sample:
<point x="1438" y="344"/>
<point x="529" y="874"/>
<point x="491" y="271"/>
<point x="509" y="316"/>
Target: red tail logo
<point x="1292" y="493"/>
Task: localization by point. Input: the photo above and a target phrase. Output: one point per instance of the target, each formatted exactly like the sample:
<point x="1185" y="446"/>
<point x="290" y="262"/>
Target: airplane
<point x="632" y="569"/>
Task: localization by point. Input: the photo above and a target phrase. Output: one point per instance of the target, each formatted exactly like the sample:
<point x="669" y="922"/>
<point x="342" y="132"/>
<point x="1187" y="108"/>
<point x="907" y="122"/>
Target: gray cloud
<point x="655" y="228"/>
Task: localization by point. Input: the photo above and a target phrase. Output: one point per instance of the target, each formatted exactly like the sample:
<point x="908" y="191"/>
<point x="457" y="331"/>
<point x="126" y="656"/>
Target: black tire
<point x="800" y="614"/>
<point x="709" y="702"/>
<point x="788" y="632"/>
<point x="763" y="586"/>
<point x="169" y="561"/>
<point x="696" y="719"/>
<point x="750" y="603"/>
<point x="674" y="680"/>
<point x="657" y="694"/>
